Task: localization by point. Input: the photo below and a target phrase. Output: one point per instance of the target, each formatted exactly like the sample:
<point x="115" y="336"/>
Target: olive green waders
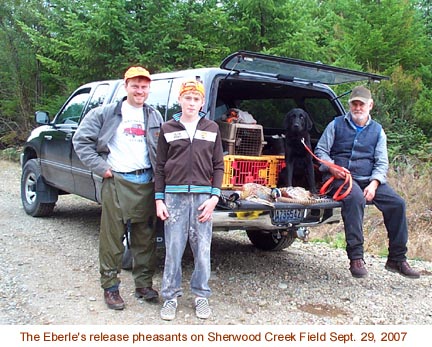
<point x="124" y="201"/>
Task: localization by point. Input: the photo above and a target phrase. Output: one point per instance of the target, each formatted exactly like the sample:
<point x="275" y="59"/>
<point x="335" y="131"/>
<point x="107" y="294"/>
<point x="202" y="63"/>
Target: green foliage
<point x="48" y="48"/>
<point x="18" y="73"/>
<point x="395" y="104"/>
<point x="11" y="154"/>
<point x="425" y="11"/>
<point x="395" y="99"/>
<point x="335" y="240"/>
<point x="368" y="32"/>
<point x="383" y="252"/>
<point x="422" y="112"/>
<point x="404" y="137"/>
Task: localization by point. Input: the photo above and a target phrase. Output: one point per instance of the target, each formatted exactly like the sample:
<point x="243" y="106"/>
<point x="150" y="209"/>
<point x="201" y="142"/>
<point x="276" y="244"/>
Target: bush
<point x="406" y="139"/>
<point x="12" y="154"/>
<point x="422" y="114"/>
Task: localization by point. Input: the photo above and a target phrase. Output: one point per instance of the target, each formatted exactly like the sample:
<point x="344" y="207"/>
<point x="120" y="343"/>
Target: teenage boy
<point x="188" y="178"/>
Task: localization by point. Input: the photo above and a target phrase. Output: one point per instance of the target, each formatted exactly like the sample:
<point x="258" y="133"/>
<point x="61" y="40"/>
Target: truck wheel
<point x="271" y="241"/>
<point x="29" y="193"/>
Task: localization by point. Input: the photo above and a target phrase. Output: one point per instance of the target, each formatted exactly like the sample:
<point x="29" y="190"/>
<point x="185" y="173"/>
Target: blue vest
<point x="355" y="150"/>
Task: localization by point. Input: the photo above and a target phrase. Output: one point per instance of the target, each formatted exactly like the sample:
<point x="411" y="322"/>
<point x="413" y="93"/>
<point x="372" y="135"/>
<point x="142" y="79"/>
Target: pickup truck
<point x="264" y="86"/>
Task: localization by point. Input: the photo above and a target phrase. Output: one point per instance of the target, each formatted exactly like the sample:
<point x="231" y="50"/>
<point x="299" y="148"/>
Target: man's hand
<point x="369" y="191"/>
<point x="161" y="210"/>
<point x="108" y="174"/>
<point x="339" y="173"/>
<point x="207" y="208"/>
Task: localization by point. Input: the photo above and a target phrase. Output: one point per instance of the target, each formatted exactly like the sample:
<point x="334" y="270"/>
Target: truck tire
<point x="30" y="178"/>
<point x="271" y="241"/>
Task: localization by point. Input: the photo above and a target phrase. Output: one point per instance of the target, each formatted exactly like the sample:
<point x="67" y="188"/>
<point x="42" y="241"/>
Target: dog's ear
<point x="309" y="123"/>
<point x="287" y="120"/>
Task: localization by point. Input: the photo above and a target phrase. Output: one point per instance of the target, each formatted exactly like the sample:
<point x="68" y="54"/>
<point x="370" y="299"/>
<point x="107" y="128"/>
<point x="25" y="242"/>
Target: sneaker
<point x="357" y="268"/>
<point x="168" y="310"/>
<point x="401" y="267"/>
<point x="202" y="308"/>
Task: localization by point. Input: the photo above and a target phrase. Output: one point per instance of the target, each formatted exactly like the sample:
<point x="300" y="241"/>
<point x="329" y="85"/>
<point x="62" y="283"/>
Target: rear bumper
<point x="253" y="216"/>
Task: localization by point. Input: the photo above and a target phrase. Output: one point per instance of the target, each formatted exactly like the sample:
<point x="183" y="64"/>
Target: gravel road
<point x="49" y="275"/>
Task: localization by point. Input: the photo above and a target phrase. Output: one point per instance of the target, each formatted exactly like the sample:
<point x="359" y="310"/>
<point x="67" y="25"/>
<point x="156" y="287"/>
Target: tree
<point x="19" y="75"/>
<point x="381" y="34"/>
<point x="425" y="9"/>
<point x="49" y="47"/>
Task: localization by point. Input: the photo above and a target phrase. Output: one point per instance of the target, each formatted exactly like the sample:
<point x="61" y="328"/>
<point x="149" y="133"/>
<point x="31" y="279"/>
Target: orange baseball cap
<point x="192" y="85"/>
<point x="136" y="71"/>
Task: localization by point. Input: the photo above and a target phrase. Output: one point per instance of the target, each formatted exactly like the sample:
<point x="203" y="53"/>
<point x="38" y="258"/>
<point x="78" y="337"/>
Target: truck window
<point x="159" y="96"/>
<point x="98" y="97"/>
<point x="173" y="106"/>
<point x="120" y="93"/>
<point x="270" y="113"/>
<point x="164" y="95"/>
<point x="72" y="110"/>
<point x="220" y="110"/>
<point x="322" y="112"/>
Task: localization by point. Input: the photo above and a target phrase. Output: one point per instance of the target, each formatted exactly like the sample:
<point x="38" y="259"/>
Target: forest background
<point x="50" y="47"/>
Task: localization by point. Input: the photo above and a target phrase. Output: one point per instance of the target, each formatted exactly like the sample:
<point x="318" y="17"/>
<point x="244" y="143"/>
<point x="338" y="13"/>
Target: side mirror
<point x="42" y="117"/>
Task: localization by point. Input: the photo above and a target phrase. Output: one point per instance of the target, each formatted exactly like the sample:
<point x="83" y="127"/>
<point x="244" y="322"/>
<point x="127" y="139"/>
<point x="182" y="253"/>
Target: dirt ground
<point x="49" y="276"/>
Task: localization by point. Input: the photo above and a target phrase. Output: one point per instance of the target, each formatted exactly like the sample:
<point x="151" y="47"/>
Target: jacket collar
<point x="118" y="107"/>
<point x="178" y="115"/>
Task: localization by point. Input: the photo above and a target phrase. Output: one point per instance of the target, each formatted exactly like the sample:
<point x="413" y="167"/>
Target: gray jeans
<point x="181" y="226"/>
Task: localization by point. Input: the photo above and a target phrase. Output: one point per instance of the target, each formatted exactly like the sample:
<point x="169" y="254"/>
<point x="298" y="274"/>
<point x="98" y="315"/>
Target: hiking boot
<point x="202" y="308"/>
<point x="113" y="300"/>
<point x="401" y="267"/>
<point x="169" y="309"/>
<point x="147" y="293"/>
<point x="357" y="268"/>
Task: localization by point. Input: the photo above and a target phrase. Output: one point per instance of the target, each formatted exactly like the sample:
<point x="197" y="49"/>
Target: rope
<point x="348" y="178"/>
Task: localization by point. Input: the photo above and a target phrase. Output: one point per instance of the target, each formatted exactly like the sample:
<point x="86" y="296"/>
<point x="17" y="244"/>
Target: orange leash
<point x="348" y="178"/>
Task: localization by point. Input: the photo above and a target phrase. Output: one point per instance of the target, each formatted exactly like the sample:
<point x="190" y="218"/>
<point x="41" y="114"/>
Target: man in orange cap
<point x="118" y="142"/>
<point x="188" y="179"/>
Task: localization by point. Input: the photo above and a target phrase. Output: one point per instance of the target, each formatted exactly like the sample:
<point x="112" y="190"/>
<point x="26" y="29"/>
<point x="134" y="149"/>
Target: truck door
<point x="56" y="146"/>
<point x="86" y="183"/>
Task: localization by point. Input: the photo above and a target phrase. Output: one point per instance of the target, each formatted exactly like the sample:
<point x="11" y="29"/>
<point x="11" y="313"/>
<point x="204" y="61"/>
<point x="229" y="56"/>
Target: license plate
<point x="284" y="217"/>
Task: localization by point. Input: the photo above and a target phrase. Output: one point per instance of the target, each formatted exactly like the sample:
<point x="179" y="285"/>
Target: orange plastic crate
<point x="280" y="164"/>
<point x="277" y="163"/>
<point x="248" y="169"/>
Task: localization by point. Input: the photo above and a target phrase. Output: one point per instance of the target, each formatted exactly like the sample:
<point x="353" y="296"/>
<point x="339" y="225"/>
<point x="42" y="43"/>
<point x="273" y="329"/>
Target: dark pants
<point x="122" y="202"/>
<point x="393" y="209"/>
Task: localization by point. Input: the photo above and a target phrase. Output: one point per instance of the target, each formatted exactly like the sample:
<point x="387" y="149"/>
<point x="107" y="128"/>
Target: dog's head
<point x="297" y="121"/>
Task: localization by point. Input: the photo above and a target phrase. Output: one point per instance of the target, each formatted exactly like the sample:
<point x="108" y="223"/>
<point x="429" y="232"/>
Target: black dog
<point x="297" y="125"/>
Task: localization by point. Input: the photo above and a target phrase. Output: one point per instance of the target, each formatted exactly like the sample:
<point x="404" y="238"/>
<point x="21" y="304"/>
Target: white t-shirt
<point x="128" y="147"/>
<point x="191" y="127"/>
